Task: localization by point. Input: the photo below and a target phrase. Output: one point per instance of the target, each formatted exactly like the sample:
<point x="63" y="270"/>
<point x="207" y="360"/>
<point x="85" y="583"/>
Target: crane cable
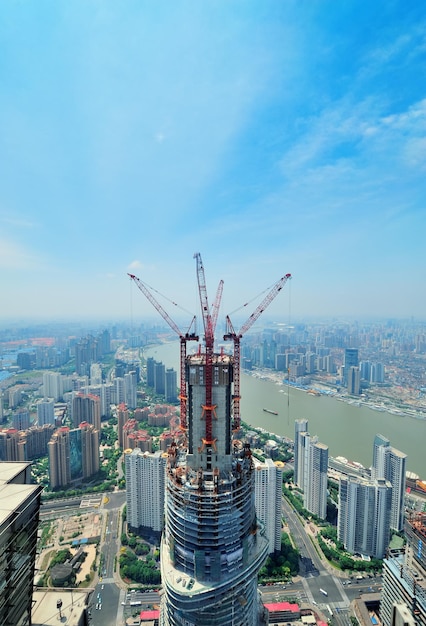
<point x="288" y="368"/>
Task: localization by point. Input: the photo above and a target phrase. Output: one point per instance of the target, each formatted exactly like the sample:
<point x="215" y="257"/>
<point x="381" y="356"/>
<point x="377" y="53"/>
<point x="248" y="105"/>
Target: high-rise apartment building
<point x="73" y="455"/>
<point x="363" y="524"/>
<point x="15" y="396"/>
<point x="86" y="408"/>
<point x="59" y="458"/>
<point x="33" y="442"/>
<point x="310" y="469"/>
<point x="130" y="384"/>
<point x="52" y="385"/>
<point x="268" y="499"/>
<point x="46" y="411"/>
<point x="95" y="374"/>
<point x="390" y="464"/>
<point x="122" y="417"/>
<point x="315" y="478"/>
<point x="119" y="395"/>
<point x="89" y="450"/>
<point x="300" y="426"/>
<point x="9" y="444"/>
<point x="105" y="393"/>
<point x="145" y="487"/>
<point x="19" y="515"/>
<point x="21" y="420"/>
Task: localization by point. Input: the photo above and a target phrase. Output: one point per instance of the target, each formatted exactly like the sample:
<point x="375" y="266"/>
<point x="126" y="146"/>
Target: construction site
<point x="213" y="546"/>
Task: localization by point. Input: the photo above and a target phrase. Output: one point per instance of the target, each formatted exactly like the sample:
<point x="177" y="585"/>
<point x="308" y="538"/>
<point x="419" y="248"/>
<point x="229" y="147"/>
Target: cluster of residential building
<point x="371" y="504"/>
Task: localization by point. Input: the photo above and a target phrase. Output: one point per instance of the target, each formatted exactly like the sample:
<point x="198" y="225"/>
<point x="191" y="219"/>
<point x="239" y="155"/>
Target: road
<point x="316" y="575"/>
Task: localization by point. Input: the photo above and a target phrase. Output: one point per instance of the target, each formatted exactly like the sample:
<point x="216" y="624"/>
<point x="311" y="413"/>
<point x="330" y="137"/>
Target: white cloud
<point x="135" y="265"/>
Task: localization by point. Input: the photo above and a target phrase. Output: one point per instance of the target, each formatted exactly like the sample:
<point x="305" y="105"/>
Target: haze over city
<point x="271" y="136"/>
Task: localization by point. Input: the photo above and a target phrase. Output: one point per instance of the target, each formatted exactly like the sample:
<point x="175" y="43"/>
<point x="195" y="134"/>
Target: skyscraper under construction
<point x="213" y="546"/>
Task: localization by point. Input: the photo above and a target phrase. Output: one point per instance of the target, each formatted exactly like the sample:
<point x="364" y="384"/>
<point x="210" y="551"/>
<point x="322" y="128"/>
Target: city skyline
<point x="273" y="137"/>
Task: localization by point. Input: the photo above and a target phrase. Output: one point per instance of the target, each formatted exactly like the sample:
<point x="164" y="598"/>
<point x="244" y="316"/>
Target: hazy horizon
<point x="273" y="137"/>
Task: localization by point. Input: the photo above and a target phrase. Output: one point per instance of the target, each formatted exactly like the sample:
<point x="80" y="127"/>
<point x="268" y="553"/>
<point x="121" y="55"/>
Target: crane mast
<point x="236" y="338"/>
<point x="209" y="321"/>
<point x="183" y="338"/>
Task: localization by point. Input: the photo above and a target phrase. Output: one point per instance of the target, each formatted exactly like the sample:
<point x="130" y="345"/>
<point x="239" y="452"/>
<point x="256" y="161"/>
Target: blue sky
<point x="273" y="137"/>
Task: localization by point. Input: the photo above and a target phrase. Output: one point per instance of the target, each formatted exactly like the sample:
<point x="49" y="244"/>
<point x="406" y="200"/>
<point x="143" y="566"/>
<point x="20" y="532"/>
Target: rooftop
<point x="46" y="612"/>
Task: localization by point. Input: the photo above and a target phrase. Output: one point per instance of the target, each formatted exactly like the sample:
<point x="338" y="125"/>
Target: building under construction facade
<point x="212" y="547"/>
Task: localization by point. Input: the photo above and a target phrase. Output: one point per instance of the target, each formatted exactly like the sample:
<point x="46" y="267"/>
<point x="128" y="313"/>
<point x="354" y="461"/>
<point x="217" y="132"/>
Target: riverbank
<point x="317" y="389"/>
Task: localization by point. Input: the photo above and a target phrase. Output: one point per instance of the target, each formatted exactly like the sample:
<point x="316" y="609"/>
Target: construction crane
<point x="236" y="337"/>
<point x="209" y="321"/>
<point x="183" y="337"/>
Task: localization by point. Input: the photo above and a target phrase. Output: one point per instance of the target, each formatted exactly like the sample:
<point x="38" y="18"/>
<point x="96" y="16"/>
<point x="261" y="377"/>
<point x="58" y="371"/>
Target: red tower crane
<point x="183" y="337"/>
<point x="236" y="337"/>
<point x="209" y="321"/>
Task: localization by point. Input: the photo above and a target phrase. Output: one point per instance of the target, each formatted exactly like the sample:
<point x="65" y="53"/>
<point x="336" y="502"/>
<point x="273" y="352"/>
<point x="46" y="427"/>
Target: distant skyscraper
<point x="160" y="379"/>
<point x="353" y="380"/>
<point x="364" y="515"/>
<point x="145" y="485"/>
<point x="95" y="374"/>
<point x="268" y="498"/>
<point x="130" y="384"/>
<point x="119" y="390"/>
<point x="46" y="411"/>
<point x="377" y="373"/>
<point x="390" y="464"/>
<point x="20" y="506"/>
<point x="350" y="360"/>
<point x="122" y="417"/>
<point x="300" y="426"/>
<point x="171" y="385"/>
<point x="150" y="372"/>
<point x="86" y="352"/>
<point x="365" y="370"/>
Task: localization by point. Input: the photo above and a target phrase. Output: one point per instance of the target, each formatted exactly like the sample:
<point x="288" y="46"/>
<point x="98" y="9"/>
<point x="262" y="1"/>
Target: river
<point x="348" y="430"/>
